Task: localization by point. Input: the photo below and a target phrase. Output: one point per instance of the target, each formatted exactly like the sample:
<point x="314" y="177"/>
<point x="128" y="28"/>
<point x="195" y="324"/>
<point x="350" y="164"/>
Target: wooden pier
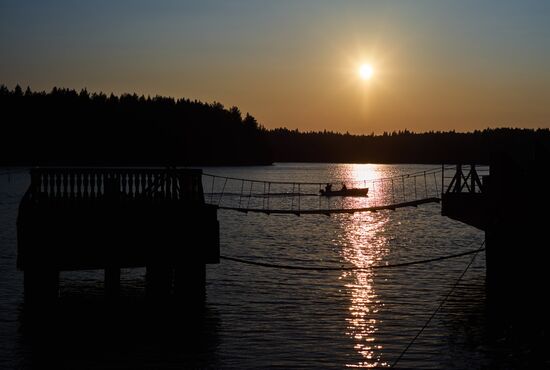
<point x="465" y="198"/>
<point x="511" y="206"/>
<point x="112" y="218"/>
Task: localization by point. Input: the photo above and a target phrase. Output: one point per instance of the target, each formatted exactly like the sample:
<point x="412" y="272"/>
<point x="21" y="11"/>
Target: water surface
<point x="258" y="317"/>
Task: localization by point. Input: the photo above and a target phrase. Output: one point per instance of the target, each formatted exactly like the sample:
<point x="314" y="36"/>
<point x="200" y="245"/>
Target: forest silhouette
<point x="66" y="127"/>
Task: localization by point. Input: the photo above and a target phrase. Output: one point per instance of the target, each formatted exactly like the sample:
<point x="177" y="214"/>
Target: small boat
<point x="357" y="192"/>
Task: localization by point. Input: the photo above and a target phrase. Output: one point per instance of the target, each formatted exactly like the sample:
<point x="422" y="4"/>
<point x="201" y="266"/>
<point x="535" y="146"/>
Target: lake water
<point x="257" y="317"/>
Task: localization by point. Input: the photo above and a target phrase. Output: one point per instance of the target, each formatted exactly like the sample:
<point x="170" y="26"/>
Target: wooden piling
<point x="112" y="281"/>
<point x="41" y="285"/>
<point x="190" y="282"/>
<point x="158" y="281"/>
<point x="509" y="205"/>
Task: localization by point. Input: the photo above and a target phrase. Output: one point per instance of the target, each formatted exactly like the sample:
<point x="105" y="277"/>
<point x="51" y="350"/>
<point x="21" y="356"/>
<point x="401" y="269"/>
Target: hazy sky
<point x="438" y="65"/>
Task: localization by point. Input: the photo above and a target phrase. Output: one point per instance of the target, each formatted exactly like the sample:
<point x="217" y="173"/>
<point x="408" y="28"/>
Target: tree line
<point x="408" y="147"/>
<point x="66" y="127"/>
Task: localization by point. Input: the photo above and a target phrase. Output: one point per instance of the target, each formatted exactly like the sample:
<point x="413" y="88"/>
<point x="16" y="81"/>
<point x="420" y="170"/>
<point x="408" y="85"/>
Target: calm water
<point x="259" y="317"/>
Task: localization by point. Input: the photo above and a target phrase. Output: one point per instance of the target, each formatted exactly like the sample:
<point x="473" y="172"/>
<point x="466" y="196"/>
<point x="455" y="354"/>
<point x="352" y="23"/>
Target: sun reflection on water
<point x="364" y="244"/>
<point x="365" y="172"/>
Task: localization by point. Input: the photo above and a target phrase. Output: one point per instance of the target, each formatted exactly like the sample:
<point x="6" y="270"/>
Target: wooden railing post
<point x="458" y="184"/>
<point x="473" y="176"/>
<point x="84" y="184"/>
<point x="36" y="182"/>
<point x="442" y="180"/>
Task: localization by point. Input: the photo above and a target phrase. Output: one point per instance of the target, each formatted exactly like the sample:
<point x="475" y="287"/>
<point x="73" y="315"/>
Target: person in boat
<point x="328" y="188"/>
<point x="344" y="187"/>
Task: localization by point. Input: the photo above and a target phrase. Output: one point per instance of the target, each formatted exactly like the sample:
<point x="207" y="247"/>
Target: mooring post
<point x="112" y="281"/>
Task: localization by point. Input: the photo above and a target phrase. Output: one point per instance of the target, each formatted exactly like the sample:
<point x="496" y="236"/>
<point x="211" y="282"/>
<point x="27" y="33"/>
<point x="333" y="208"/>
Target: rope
<point x="223" y="190"/>
<point x="241" y="195"/>
<point x="342" y="268"/>
<point x="298" y="211"/>
<point x="440" y="305"/>
<point x="263" y="199"/>
<point x="388" y="192"/>
<point x="249" y="195"/>
<point x="299" y="198"/>
<point x="268" y="192"/>
<point x="293" y="191"/>
<point x="418" y="173"/>
<point x="436" y="186"/>
<point x="212" y="193"/>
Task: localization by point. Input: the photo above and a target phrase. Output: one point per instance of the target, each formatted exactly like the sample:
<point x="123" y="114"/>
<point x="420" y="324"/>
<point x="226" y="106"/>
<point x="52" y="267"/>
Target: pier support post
<point x="190" y="282"/>
<point x="112" y="281"/>
<point x="158" y="281"/>
<point x="41" y="285"/>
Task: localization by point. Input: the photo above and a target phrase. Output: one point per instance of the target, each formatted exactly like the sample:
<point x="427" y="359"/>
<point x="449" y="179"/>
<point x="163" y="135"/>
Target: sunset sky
<point x="435" y="65"/>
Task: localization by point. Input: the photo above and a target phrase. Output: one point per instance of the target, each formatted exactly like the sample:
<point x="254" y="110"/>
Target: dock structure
<point x="111" y="218"/>
<point x="511" y="205"/>
<point x="464" y="198"/>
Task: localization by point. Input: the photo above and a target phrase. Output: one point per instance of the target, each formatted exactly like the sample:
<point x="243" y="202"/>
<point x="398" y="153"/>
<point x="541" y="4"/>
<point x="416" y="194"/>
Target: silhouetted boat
<point x="357" y="192"/>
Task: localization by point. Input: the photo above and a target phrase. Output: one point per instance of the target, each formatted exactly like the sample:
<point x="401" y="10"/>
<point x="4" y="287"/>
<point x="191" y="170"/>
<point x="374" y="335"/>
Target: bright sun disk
<point x="365" y="71"/>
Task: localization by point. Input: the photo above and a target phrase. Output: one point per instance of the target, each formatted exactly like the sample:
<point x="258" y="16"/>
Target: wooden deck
<point x="112" y="218"/>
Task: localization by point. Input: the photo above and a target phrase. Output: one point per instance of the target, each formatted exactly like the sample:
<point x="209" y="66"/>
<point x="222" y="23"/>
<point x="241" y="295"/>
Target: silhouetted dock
<point x="511" y="206"/>
<point x="464" y="198"/>
<point x="112" y="218"/>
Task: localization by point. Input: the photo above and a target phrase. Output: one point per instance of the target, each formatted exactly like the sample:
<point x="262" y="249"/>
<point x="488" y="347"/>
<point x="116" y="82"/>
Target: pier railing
<point x="80" y="184"/>
<point x="287" y="197"/>
<point x="471" y="179"/>
<point x="110" y="218"/>
<point x="464" y="194"/>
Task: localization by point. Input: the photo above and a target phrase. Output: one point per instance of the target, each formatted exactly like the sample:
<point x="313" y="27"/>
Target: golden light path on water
<point x="364" y="244"/>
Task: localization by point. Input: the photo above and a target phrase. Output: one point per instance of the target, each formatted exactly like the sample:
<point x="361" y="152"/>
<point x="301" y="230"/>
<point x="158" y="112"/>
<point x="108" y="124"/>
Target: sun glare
<point x="365" y="71"/>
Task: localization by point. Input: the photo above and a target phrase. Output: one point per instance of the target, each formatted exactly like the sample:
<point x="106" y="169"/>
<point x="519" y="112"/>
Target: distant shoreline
<point x="69" y="128"/>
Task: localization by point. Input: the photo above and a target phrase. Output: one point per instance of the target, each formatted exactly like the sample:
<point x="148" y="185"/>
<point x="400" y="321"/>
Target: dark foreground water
<point x="257" y="317"/>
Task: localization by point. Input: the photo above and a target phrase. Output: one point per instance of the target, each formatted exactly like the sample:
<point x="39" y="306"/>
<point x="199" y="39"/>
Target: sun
<point x="366" y="71"/>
